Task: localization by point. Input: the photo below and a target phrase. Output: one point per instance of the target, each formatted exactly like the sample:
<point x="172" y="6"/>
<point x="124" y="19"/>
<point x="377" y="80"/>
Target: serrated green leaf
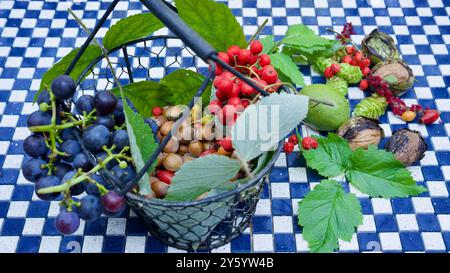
<point x="331" y="158"/>
<point x="302" y="36"/>
<point x="263" y="125"/>
<point x="268" y="43"/>
<point x="184" y="85"/>
<point x="378" y="174"/>
<point x="131" y="28"/>
<point x="284" y="64"/>
<point x="91" y="54"/>
<point x="142" y="145"/>
<point x="213" y="21"/>
<point x="327" y="214"/>
<point x="145" y="95"/>
<point x="201" y="175"/>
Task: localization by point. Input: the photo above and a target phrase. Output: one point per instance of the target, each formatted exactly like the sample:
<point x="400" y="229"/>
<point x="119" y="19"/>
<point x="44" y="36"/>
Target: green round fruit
<point x="324" y="117"/>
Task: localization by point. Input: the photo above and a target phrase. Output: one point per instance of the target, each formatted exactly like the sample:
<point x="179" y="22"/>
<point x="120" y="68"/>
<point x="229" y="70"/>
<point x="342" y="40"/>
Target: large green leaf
<point x="213" y="21"/>
<point x="331" y="157"/>
<point x="377" y="173"/>
<point x="263" y="125"/>
<point x="268" y="44"/>
<point x="201" y="175"/>
<point x="131" y="28"/>
<point x="287" y="67"/>
<point x="142" y="144"/>
<point x="91" y="53"/>
<point x="145" y="95"/>
<point x="302" y="36"/>
<point x="327" y="214"/>
<point x="184" y="85"/>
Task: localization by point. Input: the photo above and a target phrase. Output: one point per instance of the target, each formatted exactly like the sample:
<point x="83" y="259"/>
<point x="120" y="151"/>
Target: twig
<point x="258" y="31"/>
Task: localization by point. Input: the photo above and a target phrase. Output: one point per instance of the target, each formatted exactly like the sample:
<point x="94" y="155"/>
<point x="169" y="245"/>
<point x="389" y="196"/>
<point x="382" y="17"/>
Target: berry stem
<point x="258" y="31"/>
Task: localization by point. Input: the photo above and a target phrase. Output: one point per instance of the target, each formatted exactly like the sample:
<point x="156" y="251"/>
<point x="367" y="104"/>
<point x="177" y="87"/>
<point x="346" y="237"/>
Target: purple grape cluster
<point x="66" y="148"/>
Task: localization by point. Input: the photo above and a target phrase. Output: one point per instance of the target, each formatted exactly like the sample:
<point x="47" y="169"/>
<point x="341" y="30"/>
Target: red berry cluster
<point x="353" y="57"/>
<point x="346" y="33"/>
<point x="234" y="95"/>
<point x="290" y="144"/>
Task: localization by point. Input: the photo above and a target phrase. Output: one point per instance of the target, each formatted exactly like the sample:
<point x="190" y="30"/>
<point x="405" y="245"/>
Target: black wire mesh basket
<point x="195" y="225"/>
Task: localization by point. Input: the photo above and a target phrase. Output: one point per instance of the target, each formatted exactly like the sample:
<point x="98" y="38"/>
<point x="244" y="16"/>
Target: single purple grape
<point x="67" y="222"/>
<point x="113" y="202"/>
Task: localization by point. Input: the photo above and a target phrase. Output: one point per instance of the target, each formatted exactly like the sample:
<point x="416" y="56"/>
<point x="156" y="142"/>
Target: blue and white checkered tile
<point x="35" y="34"/>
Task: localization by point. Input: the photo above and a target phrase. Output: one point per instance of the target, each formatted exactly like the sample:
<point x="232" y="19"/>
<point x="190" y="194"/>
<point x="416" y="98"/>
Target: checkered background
<point x="35" y="34"/>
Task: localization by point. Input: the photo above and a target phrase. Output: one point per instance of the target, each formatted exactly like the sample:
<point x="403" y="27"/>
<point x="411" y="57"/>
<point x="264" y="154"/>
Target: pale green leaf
<point x="131" y="28"/>
<point x="263" y="125"/>
<point x="91" y="53"/>
<point x="268" y="43"/>
<point x="145" y="95"/>
<point x="213" y="21"/>
<point x="327" y="214"/>
<point x="201" y="175"/>
<point x="284" y="63"/>
<point x="184" y="85"/>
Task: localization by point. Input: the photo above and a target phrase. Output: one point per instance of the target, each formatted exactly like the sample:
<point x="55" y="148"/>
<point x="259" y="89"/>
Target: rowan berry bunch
<point x="233" y="95"/>
<point x="69" y="151"/>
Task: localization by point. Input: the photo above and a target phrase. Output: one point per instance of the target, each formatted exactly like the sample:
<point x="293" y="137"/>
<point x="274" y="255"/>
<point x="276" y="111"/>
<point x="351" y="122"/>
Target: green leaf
<point x="268" y="44"/>
<point x="91" y="54"/>
<point x="285" y="64"/>
<point x="261" y="126"/>
<point x="201" y="175"/>
<point x="145" y="95"/>
<point x="213" y="21"/>
<point x="131" y="28"/>
<point x="377" y="173"/>
<point x="262" y="162"/>
<point x="184" y="85"/>
<point x="331" y="157"/>
<point x="142" y="144"/>
<point x="327" y="214"/>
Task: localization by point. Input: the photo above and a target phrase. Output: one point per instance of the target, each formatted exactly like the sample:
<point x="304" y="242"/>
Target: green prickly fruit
<point x="339" y="84"/>
<point x="352" y="74"/>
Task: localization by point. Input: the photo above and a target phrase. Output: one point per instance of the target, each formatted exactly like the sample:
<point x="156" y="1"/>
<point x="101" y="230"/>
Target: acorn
<point x="160" y="120"/>
<point x="183" y="149"/>
<point x="172" y="162"/>
<point x="160" y="188"/>
<point x="208" y="132"/>
<point x="185" y="134"/>
<point x="159" y="161"/>
<point x="166" y="127"/>
<point x="196" y="112"/>
<point x="222" y="151"/>
<point x="187" y="158"/>
<point x="173" y="112"/>
<point x="172" y="146"/>
<point x="195" y="147"/>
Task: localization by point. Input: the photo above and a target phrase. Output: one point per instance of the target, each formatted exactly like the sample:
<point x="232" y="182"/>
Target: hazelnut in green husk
<point x="361" y="132"/>
<point x="379" y="47"/>
<point x="408" y="146"/>
<point x="397" y="74"/>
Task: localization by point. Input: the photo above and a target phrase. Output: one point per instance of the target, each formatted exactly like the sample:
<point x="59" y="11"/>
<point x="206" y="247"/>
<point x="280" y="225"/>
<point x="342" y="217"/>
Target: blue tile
<point x="428" y="222"/>
<point x="28" y="244"/>
<point x="71" y="244"/>
<point x="281" y="207"/>
<point x="262" y="224"/>
<point x="12" y="227"/>
<point x="241" y="243"/>
<point x="135" y="226"/>
<point x="402" y="205"/>
<point x="369" y="242"/>
<point x="411" y="241"/>
<point x="279" y="174"/>
<point x="154" y="245"/>
<point x="385" y="223"/>
<point x="441" y="205"/>
<point x="113" y="244"/>
<point x="284" y="243"/>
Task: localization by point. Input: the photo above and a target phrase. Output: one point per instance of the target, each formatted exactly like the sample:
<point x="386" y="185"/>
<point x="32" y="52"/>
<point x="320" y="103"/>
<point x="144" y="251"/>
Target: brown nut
<point x="187" y="158"/>
<point x="160" y="120"/>
<point x="160" y="188"/>
<point x="195" y="147"/>
<point x="172" y="162"/>
<point x="183" y="149"/>
<point x="166" y="127"/>
<point x="160" y="159"/>
<point x="172" y="146"/>
<point x="208" y="132"/>
<point x="173" y="112"/>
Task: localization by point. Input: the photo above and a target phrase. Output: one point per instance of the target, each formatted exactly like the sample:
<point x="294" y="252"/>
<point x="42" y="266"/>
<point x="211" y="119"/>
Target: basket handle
<point x="170" y="18"/>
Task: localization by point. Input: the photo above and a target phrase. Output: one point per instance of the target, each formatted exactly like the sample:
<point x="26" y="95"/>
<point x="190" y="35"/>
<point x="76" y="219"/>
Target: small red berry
<point x="214" y="106"/>
<point x="224" y="57"/>
<point x="253" y="60"/>
<point x="366" y="62"/>
<point x="227" y="144"/>
<point x="227" y="74"/>
<point x="245" y="103"/>
<point x="219" y="70"/>
<point x="156" y="111"/>
<point x="288" y="147"/>
<point x="350" y="49"/>
<point x="269" y="74"/>
<point x="309" y="143"/>
<point x="235" y="92"/>
<point x="364" y="84"/>
<point x="328" y="73"/>
<point x="226" y="86"/>
<point x="293" y="139"/>
<point x="347" y="59"/>
<point x="335" y="68"/>
<point x="233" y="51"/>
<point x="220" y="95"/>
<point x="245" y="56"/>
<point x="228" y="115"/>
<point x="365" y="71"/>
<point x="256" y="47"/>
<point x="235" y="101"/>
<point x="358" y="57"/>
<point x="247" y="90"/>
<point x="264" y="60"/>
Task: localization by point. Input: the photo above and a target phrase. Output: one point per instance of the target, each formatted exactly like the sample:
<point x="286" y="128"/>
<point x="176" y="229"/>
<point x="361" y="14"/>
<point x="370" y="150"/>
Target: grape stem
<point x="258" y="31"/>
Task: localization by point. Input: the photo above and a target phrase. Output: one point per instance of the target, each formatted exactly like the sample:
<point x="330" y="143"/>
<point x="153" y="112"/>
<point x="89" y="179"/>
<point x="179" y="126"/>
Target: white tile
<point x="407" y="222"/>
<point x="433" y="241"/>
<point x="439" y="49"/>
<point x="280" y="190"/>
<point x="21" y="133"/>
<point x="281" y="161"/>
<point x="282" y="224"/>
<point x="6" y="192"/>
<point x="295" y="206"/>
<point x="441" y="143"/>
<point x="429" y="159"/>
<point x="116" y="226"/>
<point x="297" y="174"/>
<point x="435" y="81"/>
<point x="18" y="209"/>
<point x="381" y="205"/>
<point x="50" y="244"/>
<point x="9" y="121"/>
<point x="368" y="224"/>
<point x="390" y="241"/>
<point x="222" y="249"/>
<point x="422" y="205"/>
<point x="92" y="244"/>
<point x="175" y="250"/>
<point x="444" y="221"/>
<point x="416" y="173"/>
<point x="357" y="192"/>
<point x="33" y="226"/>
<point x="135" y="244"/>
<point x="301" y="243"/>
<point x="446" y="172"/>
<point x="13" y="162"/>
<point x="263" y="207"/>
<point x="437" y="189"/>
<point x="8" y="244"/>
<point x="262" y="243"/>
<point x="349" y="246"/>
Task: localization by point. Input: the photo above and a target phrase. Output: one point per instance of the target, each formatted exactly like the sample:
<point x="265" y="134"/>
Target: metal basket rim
<point x="161" y="202"/>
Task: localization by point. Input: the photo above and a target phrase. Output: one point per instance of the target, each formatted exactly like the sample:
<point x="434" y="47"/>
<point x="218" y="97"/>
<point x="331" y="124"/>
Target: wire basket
<point x="194" y="225"/>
